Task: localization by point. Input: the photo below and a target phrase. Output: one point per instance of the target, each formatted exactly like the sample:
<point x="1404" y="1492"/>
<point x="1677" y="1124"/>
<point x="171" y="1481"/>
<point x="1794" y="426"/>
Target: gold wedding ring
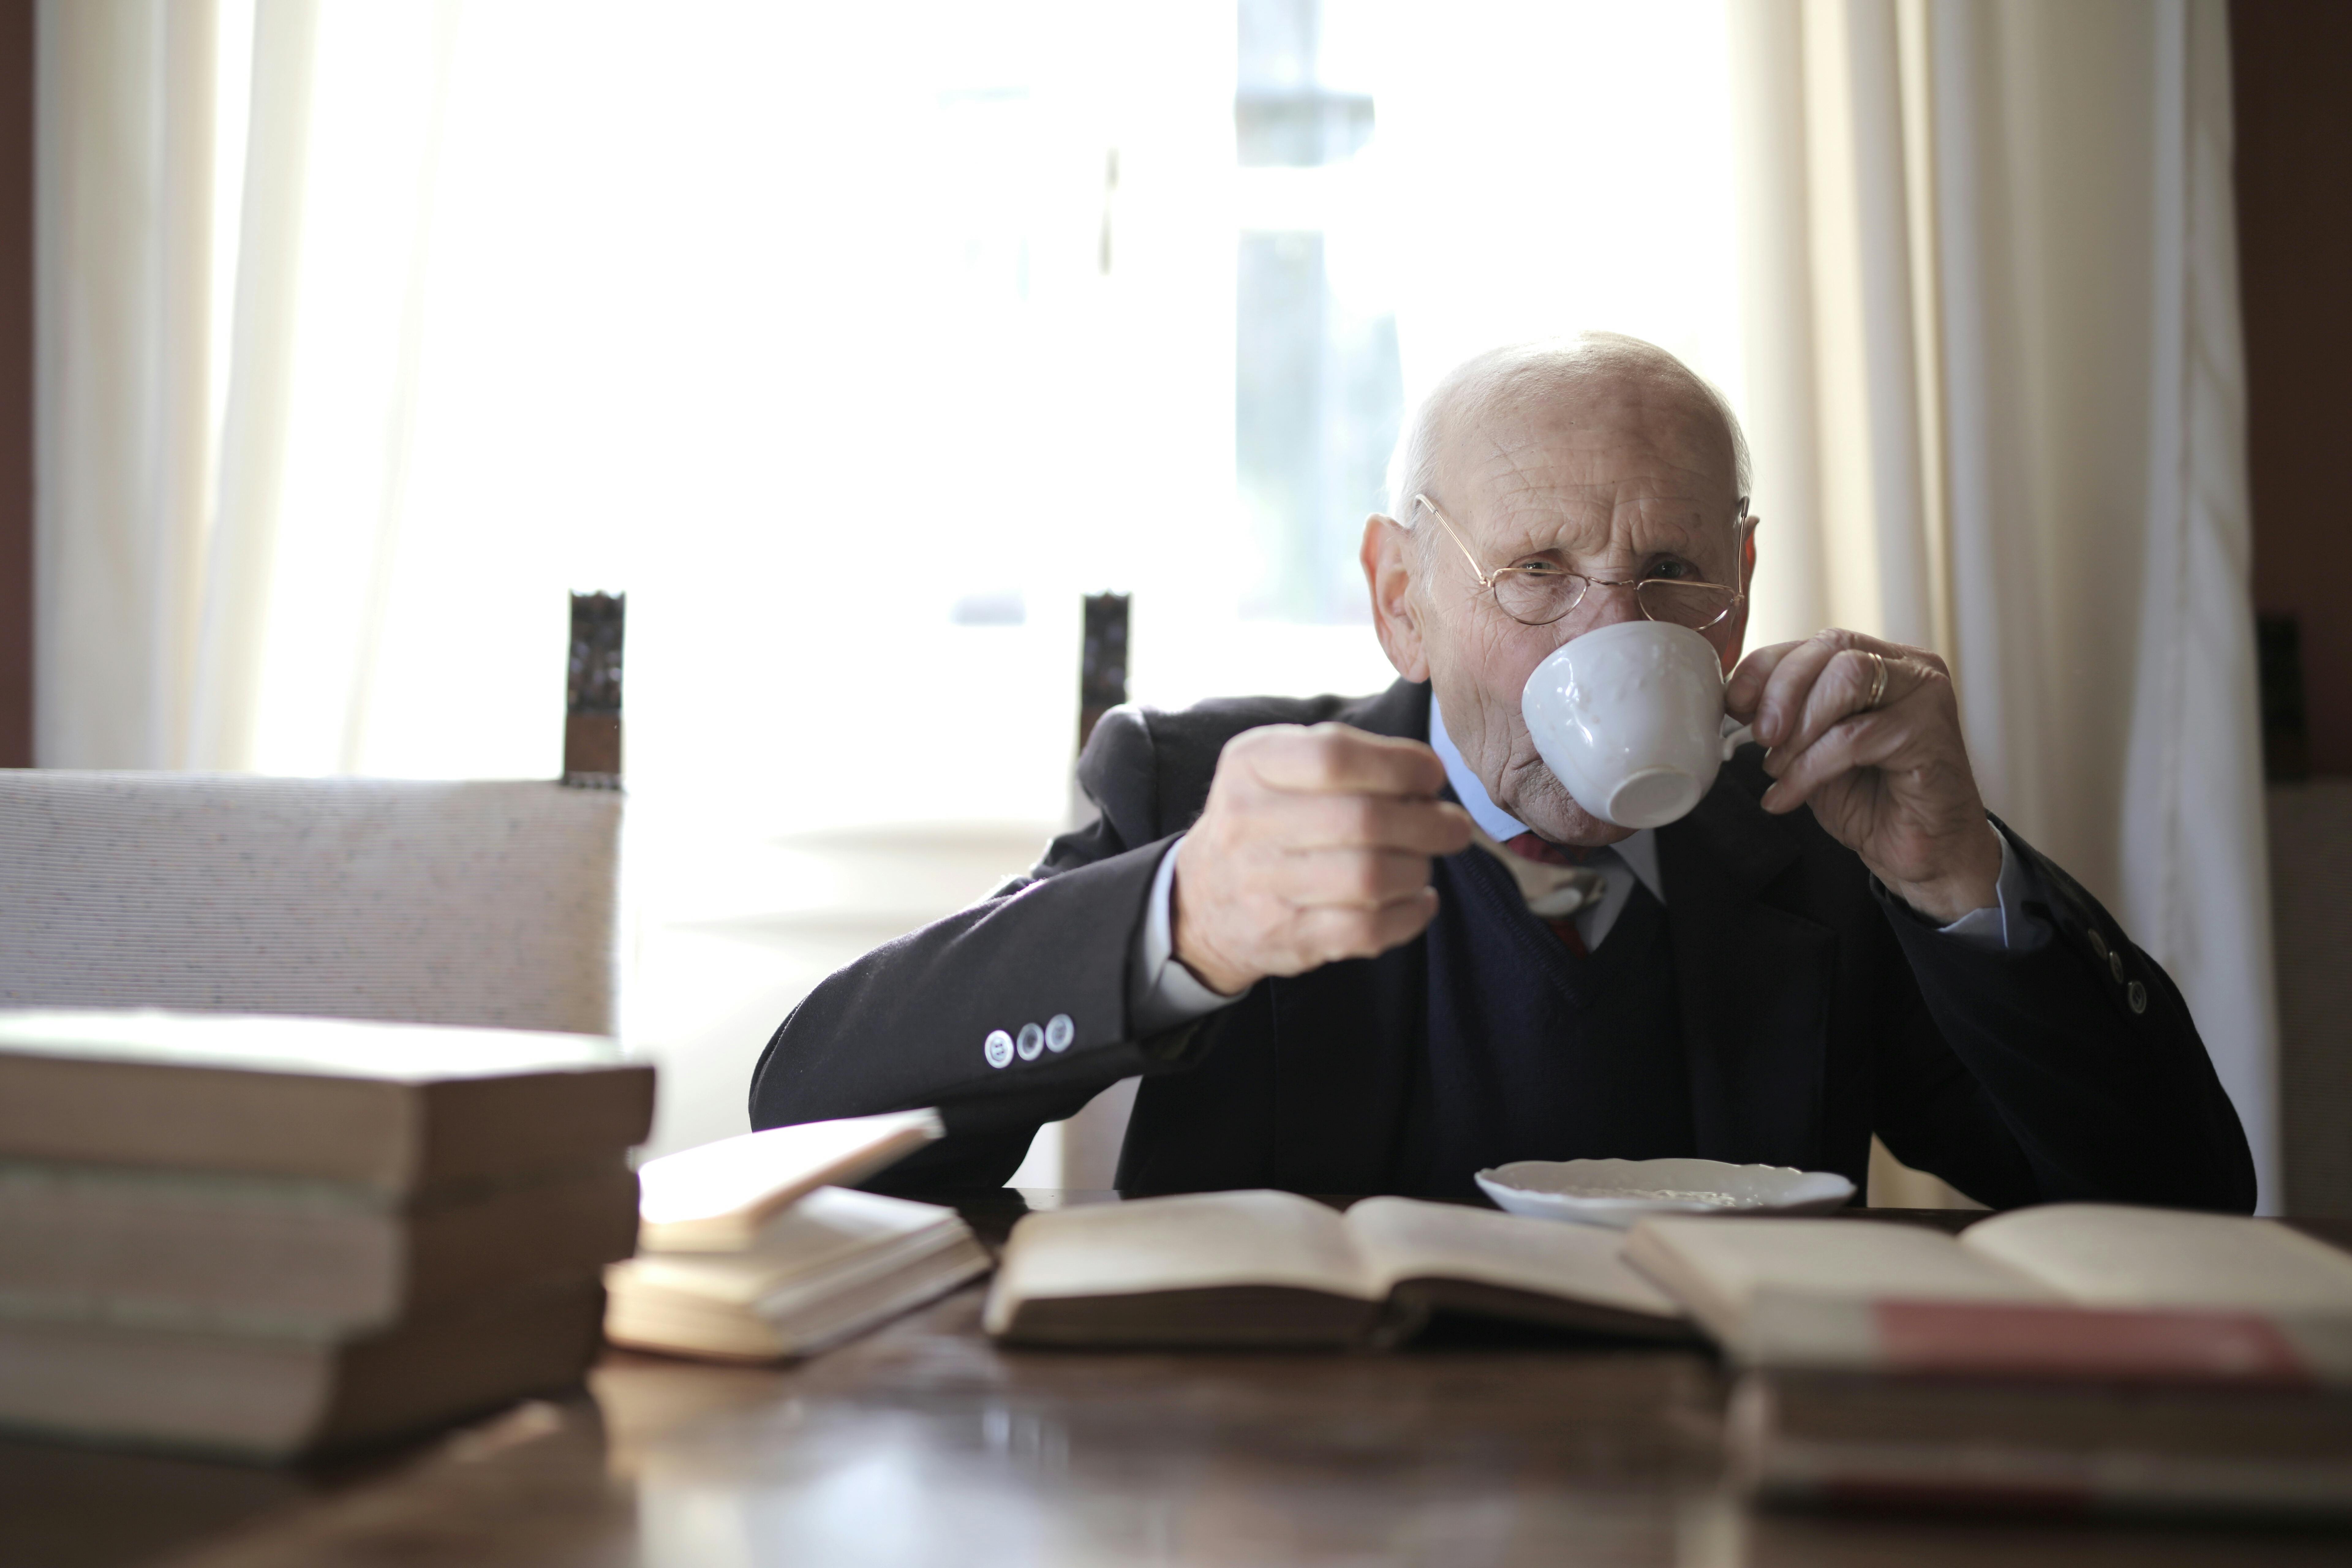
<point x="1878" y="681"/>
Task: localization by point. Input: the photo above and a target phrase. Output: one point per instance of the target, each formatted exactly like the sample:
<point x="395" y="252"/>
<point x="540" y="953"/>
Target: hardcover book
<point x="312" y="1257"/>
<point x="400" y="1108"/>
<point x="1875" y="1440"/>
<point x="2065" y="1291"/>
<point x="271" y="1395"/>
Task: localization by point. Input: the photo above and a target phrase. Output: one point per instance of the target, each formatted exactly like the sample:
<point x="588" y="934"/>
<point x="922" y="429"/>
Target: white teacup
<point x="1630" y="717"/>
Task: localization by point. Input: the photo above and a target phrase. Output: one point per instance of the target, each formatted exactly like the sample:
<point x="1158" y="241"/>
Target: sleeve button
<point x="1033" y="1042"/>
<point x="999" y="1049"/>
<point x="2136" y="994"/>
<point x="2098" y="944"/>
<point x="2115" y="967"/>
<point x="1059" y="1033"/>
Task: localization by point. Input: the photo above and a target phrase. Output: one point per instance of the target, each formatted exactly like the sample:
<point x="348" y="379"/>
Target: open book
<point x="1274" y="1269"/>
<point x="2068" y="1291"/>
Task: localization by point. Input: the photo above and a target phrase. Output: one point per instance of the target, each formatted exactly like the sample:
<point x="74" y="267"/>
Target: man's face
<point x="1616" y="478"/>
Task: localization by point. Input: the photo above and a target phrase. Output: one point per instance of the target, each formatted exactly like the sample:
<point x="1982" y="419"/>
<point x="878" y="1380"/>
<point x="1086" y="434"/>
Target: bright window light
<point x="855" y="343"/>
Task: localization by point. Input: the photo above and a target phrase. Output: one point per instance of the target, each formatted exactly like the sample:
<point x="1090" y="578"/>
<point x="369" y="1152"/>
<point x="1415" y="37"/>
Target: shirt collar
<point x="1640" y="852"/>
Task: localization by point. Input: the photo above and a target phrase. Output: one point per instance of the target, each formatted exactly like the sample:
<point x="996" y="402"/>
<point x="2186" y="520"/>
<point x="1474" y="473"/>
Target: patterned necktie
<point x="1532" y="847"/>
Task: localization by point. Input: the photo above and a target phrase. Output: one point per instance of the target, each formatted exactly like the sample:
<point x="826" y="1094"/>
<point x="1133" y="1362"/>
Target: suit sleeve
<point x="2067" y="1070"/>
<point x="909" y="1023"/>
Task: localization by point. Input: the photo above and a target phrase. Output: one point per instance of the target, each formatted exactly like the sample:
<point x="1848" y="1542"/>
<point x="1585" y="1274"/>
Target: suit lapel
<point x="1402" y="710"/>
<point x="1754" y="982"/>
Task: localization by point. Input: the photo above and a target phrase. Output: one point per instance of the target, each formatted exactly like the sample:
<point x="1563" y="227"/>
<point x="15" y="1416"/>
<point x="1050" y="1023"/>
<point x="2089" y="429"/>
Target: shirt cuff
<point x="2002" y="925"/>
<point x="1162" y="993"/>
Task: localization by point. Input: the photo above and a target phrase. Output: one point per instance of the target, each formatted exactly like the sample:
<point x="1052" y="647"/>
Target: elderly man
<point x="1278" y="922"/>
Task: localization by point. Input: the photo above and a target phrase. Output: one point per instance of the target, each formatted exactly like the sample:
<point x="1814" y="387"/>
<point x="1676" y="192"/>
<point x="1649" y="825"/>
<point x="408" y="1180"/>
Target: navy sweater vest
<point x="1536" y="1053"/>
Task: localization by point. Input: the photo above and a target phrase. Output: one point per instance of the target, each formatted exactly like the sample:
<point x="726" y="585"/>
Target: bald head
<point x="1598" y="380"/>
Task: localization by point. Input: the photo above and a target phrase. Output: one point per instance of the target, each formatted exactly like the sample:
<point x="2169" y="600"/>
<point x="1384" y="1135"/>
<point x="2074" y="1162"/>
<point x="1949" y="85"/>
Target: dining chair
<point x="475" y="902"/>
<point x="1091" y="1140"/>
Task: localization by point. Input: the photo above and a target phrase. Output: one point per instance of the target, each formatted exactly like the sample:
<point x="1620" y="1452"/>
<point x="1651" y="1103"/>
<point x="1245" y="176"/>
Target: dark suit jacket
<point x="1815" y="1010"/>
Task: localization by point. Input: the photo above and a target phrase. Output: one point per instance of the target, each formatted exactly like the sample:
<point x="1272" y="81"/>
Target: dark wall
<point x="2292" y="67"/>
<point x="16" y="382"/>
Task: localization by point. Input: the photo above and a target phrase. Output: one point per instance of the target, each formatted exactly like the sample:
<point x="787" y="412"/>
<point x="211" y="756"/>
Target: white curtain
<point x="265" y="260"/>
<point x="232" y="241"/>
<point x="123" y="353"/>
<point x="1996" y="393"/>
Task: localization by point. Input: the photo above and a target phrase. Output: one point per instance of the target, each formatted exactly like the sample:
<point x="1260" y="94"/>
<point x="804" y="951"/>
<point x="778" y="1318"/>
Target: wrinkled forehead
<point x="1597" y="454"/>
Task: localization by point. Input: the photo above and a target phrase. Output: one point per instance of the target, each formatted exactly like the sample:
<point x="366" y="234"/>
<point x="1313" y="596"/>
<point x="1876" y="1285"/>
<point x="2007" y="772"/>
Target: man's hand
<point x="1891" y="782"/>
<point x="1314" y="846"/>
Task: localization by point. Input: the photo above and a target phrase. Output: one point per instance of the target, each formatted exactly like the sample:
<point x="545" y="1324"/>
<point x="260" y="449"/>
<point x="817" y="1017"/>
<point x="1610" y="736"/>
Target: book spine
<point x="2039" y="1341"/>
<point x="2023" y="1480"/>
<point x="2022" y="1475"/>
<point x="139" y="1114"/>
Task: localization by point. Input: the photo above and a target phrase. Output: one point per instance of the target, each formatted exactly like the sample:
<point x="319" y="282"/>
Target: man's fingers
<point x="1353" y="878"/>
<point x="1841" y="688"/>
<point x="1315" y="844"/>
<point x="1330" y="933"/>
<point x="1746" y="689"/>
<point x="1782" y="701"/>
<point x="1338" y="759"/>
<point x="1306" y="822"/>
<point x="1840" y="658"/>
<point x="1862" y="740"/>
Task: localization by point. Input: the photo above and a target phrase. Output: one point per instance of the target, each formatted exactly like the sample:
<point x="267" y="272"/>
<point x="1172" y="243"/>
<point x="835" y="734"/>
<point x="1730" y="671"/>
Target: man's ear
<point x="1737" y="628"/>
<point x="1389" y="555"/>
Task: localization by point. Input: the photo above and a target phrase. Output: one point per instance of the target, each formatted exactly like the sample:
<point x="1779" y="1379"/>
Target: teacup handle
<point x="1735" y="736"/>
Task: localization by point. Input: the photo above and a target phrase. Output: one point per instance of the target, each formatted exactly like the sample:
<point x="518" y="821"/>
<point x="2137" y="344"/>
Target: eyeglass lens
<point x="1541" y="598"/>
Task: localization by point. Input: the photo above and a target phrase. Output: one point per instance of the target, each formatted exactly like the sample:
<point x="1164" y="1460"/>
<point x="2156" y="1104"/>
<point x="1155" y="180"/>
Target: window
<point x="1317" y="389"/>
<point x="857" y="343"/>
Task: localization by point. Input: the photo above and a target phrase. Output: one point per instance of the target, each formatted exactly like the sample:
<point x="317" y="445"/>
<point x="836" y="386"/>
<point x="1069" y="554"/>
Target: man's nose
<point x="1605" y="605"/>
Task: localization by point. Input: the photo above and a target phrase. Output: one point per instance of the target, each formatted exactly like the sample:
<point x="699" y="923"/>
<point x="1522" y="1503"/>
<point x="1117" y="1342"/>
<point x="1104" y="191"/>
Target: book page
<point x="715" y="1197"/>
<point x="1717" y="1268"/>
<point x="1402" y="1238"/>
<point x="2109" y="1254"/>
<point x="1190" y="1243"/>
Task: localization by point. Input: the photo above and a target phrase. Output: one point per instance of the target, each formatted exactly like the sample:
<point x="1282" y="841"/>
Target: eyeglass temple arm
<point x="1486" y="579"/>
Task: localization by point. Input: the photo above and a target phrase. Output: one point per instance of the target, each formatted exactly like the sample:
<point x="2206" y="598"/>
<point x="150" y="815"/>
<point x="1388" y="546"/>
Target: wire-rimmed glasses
<point x="1537" y="593"/>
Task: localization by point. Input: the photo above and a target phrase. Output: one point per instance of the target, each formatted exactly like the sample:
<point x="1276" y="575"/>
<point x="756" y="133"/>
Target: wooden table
<point x="924" y="1444"/>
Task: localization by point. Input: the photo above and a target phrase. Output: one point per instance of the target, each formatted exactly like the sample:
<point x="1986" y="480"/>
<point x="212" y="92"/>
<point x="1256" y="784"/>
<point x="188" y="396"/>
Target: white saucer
<point x="1618" y="1192"/>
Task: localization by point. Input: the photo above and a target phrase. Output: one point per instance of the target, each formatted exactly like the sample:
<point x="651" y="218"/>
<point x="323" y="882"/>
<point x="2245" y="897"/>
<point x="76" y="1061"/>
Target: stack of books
<point x="2075" y="1358"/>
<point x="747" y="1252"/>
<point x="267" y="1237"/>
